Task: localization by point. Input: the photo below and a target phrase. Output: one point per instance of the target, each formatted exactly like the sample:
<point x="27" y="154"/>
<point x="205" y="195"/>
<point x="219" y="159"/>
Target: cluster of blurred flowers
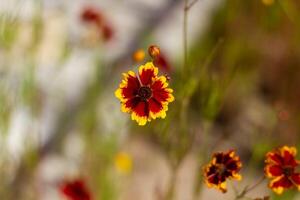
<point x="280" y="166"/>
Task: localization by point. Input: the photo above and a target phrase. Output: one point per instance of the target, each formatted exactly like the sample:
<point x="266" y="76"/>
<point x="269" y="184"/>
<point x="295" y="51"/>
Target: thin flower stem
<point x="234" y="189"/>
<point x="190" y="5"/>
<point x="248" y="189"/>
<point x="256" y="184"/>
<point x="171" y="189"/>
<point x="184" y="73"/>
<point x="185" y="31"/>
<point x="187" y="7"/>
<point x="289" y="10"/>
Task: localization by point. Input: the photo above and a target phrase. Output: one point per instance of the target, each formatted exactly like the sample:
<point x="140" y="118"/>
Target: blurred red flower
<point x="94" y="16"/>
<point x="75" y="190"/>
<point x="107" y="32"/>
<point x="91" y="15"/>
<point x="281" y="167"/>
<point x="162" y="62"/>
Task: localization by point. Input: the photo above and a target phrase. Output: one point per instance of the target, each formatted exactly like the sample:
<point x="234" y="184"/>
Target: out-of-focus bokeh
<point x="61" y="125"/>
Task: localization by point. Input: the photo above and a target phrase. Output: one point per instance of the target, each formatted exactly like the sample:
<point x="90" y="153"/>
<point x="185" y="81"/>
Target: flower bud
<point x="154" y="51"/>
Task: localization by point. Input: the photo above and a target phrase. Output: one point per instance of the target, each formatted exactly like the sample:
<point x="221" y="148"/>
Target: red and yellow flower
<point x="146" y="95"/>
<point x="223" y="166"/>
<point x="281" y="167"/>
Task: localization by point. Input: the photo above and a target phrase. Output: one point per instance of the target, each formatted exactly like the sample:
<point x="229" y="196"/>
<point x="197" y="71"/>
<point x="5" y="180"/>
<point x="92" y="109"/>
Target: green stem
<point x="185" y="39"/>
<point x="171" y="189"/>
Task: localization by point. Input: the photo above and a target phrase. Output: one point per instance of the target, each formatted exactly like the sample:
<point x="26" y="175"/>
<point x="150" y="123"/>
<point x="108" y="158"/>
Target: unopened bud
<point x="154" y="51"/>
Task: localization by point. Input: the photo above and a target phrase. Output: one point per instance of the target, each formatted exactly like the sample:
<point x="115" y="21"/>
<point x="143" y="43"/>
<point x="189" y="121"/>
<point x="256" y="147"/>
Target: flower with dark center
<point x="146" y="95"/>
<point x="223" y="165"/>
<point x="144" y="92"/>
<point x="281" y="167"/>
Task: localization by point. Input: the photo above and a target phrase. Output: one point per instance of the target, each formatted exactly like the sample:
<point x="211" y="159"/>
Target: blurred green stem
<point x="185" y="40"/>
<point x="171" y="189"/>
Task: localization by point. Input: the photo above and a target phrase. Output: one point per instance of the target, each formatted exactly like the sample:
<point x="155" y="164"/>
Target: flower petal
<point x="222" y="187"/>
<point x="140" y="113"/>
<point x="128" y="87"/>
<point x="160" y="91"/>
<point x="130" y="104"/>
<point x="232" y="165"/>
<point x="213" y="179"/>
<point x="280" y="183"/>
<point x="157" y="109"/>
<point x="274" y="158"/>
<point x="237" y="176"/>
<point x="147" y="73"/>
<point x="219" y="157"/>
<point x="273" y="170"/>
<point x="296" y="180"/>
<point x="288" y="154"/>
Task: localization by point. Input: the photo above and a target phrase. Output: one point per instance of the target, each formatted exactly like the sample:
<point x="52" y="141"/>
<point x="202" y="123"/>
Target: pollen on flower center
<point x="145" y="92"/>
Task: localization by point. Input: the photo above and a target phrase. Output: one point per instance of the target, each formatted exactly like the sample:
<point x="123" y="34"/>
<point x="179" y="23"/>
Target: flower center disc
<point x="222" y="169"/>
<point x="145" y="92"/>
<point x="288" y="171"/>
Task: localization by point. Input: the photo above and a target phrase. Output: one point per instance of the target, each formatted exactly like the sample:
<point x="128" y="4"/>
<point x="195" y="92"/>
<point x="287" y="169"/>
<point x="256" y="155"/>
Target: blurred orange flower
<point x="281" y="167"/>
<point x="145" y="96"/>
<point x="223" y="165"/>
<point x="138" y="55"/>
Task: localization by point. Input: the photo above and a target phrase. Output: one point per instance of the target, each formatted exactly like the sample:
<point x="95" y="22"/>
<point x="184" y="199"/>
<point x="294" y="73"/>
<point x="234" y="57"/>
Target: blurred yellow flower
<point x="123" y="163"/>
<point x="268" y="2"/>
<point x="139" y="55"/>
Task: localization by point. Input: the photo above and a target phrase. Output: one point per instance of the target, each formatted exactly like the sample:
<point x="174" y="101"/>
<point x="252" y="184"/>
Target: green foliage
<point x="8" y="31"/>
<point x="287" y="195"/>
